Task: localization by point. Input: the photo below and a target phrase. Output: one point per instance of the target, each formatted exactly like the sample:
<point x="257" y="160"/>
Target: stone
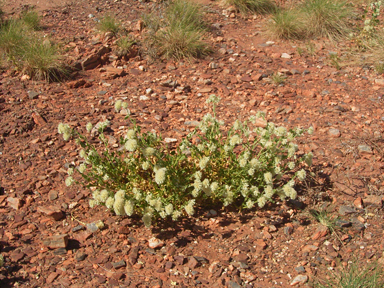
<point x="33" y="95"/>
<point x="192" y="263"/>
<point x="288" y="230"/>
<point x="119" y="264"/>
<point x="345" y="210"/>
<point x="80" y="256"/>
<point x="56" y="241"/>
<point x="364" y="149"/>
<point x="299" y="279"/>
<point x="321" y="231"/>
<point x="300" y="269"/>
<point x="38" y="119"/>
<point x="155" y="243"/>
<point x="94" y="226"/>
<point x="192" y="123"/>
<point x="170" y="140"/>
<point x="52" y="211"/>
<point x="309" y="248"/>
<point x="286" y="56"/>
<point x="15" y="203"/>
<point x="335" y="133"/>
<point x="260" y="122"/>
<point x="358" y="203"/>
<point x="373" y="200"/>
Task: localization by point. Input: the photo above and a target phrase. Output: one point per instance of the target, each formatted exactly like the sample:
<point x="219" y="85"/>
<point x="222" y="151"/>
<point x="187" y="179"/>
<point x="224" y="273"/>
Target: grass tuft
<point x="253" y="6"/>
<point x="327" y="18"/>
<point x="287" y="24"/>
<point x="177" y="32"/>
<point x="109" y="24"/>
<point x="31" y="19"/>
<point x="278" y="78"/>
<point x="124" y="45"/>
<point x="355" y="275"/>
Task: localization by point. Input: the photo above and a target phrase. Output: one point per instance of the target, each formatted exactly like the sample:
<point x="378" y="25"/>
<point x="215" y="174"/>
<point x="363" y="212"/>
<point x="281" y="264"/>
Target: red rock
<point x="321" y="231"/>
<point x="56" y="241"/>
<point x="51" y="277"/>
<point x="53" y="211"/>
<point x="15" y="203"/>
<point x="309" y="248"/>
<point x="358" y="202"/>
<point x="155" y="243"/>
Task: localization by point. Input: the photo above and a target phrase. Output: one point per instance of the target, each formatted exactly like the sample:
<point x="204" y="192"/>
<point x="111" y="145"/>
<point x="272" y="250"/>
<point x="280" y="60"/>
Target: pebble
<point x="80" y="256"/>
<point x="155" y="243"/>
<point x="286" y="56"/>
<point x="335" y="133"/>
<point x="344" y="210"/>
<point x="364" y="149"/>
<point x="299" y="279"/>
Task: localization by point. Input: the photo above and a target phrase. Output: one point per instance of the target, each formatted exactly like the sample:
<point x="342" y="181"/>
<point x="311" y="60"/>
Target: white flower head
<point x="254" y="163"/>
<point x="203" y="162"/>
<point x="66" y="136"/>
<point x="251" y="171"/>
<point x="104" y="194"/>
<point x="213" y="99"/>
<point x="70" y="171"/>
<point x="129" y="207"/>
<point x="237" y="125"/>
<point x="235" y="140"/>
<point x="118" y="105"/>
<point x="160" y="176"/>
<point x="109" y="203"/>
<point x="145" y="165"/>
<point x="249" y="204"/>
<point x="131" y="134"/>
<point x="189" y="207"/>
<point x="131" y="145"/>
<point x="242" y="162"/>
<point x="261" y="201"/>
<point x="82" y="168"/>
<point x="89" y="126"/>
<point x="176" y="215"/>
<point x="280" y="131"/>
<point x="310" y="130"/>
<point x="301" y="174"/>
<point x="308" y="159"/>
<point x="149" y="151"/>
<point x="64" y="128"/>
<point x="69" y="181"/>
<point x="118" y="206"/>
<point x="268" y="192"/>
<point x="268" y="178"/>
<point x="169" y="209"/>
<point x="214" y="186"/>
<point x="124" y="105"/>
<point x="120" y="194"/>
<point x="291" y="165"/>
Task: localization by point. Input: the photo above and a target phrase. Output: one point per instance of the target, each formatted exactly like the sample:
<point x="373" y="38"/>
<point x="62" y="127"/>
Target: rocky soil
<point x="48" y="233"/>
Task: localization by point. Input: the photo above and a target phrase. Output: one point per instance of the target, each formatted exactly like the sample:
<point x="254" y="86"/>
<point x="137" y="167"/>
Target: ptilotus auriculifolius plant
<point x="244" y="166"/>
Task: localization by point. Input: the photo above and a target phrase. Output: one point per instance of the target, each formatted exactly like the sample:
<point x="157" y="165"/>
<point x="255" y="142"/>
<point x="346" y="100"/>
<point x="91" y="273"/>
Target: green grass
<point x="177" y="32"/>
<point x="287" y="24"/>
<point x="277" y="78"/>
<point x="29" y="52"/>
<point x="327" y="18"/>
<point x="31" y="19"/>
<point x="324" y="219"/>
<point x="124" y="45"/>
<point x="253" y="6"/>
<point x="313" y="19"/>
<point x="355" y="275"/>
<point x="109" y="24"/>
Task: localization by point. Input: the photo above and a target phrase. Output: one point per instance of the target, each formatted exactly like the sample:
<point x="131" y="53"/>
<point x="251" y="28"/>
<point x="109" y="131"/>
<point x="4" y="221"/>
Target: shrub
<point x="241" y="167"/>
<point x="253" y="6"/>
<point x="109" y="24"/>
<point x="327" y="18"/>
<point x="176" y="33"/>
<point x="287" y="24"/>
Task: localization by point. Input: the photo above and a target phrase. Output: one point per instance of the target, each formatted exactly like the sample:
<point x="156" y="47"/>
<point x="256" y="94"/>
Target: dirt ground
<point x="44" y="236"/>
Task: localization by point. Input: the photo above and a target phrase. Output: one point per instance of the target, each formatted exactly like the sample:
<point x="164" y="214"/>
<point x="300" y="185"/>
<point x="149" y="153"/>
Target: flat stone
<point x="321" y="231"/>
<point x="335" y="133"/>
<point x="309" y="248"/>
<point x="52" y="211"/>
<point x="119" y="264"/>
<point x="299" y="279"/>
<point x="364" y="149"/>
<point x="373" y="200"/>
<point x="192" y="123"/>
<point x="300" y="269"/>
<point x="15" y="203"/>
<point x="80" y="256"/>
<point x="56" y="241"/>
<point x="33" y="95"/>
<point x="155" y="243"/>
<point x="286" y="56"/>
<point x="345" y="210"/>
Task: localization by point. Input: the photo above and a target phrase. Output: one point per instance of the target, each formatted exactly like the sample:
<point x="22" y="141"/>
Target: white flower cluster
<point x="213" y="99"/>
<point x="65" y="130"/>
<point x="160" y="175"/>
<point x="149" y="151"/>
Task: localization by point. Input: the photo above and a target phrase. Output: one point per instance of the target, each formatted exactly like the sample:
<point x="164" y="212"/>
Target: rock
<point x="132" y="258"/>
<point x="345" y="210"/>
<point x="80" y="256"/>
<point x="170" y="140"/>
<point x="309" y="248"/>
<point x="192" y="263"/>
<point x="205" y="90"/>
<point x="192" y="123"/>
<point x="52" y="195"/>
<point x="38" y="119"/>
<point x="300" y="269"/>
<point x="233" y="284"/>
<point x="379" y="81"/>
<point x="91" y="62"/>
<point x="119" y="264"/>
<point x="33" y="95"/>
<point x="15" y="203"/>
<point x="52" y="211"/>
<point x="364" y="149"/>
<point x="299" y="279"/>
<point x="335" y="133"/>
<point x="342" y="223"/>
<point x="94" y="226"/>
<point x="288" y="230"/>
<point x="358" y="203"/>
<point x="155" y="243"/>
<point x="374" y="200"/>
<point x="321" y="231"/>
<point x="56" y="241"/>
<point x="286" y="56"/>
<point x="112" y="73"/>
<point x="260" y="122"/>
<point x="143" y="98"/>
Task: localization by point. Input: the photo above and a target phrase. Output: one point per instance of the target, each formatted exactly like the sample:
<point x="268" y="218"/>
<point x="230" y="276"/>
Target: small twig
<point x="74" y="218"/>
